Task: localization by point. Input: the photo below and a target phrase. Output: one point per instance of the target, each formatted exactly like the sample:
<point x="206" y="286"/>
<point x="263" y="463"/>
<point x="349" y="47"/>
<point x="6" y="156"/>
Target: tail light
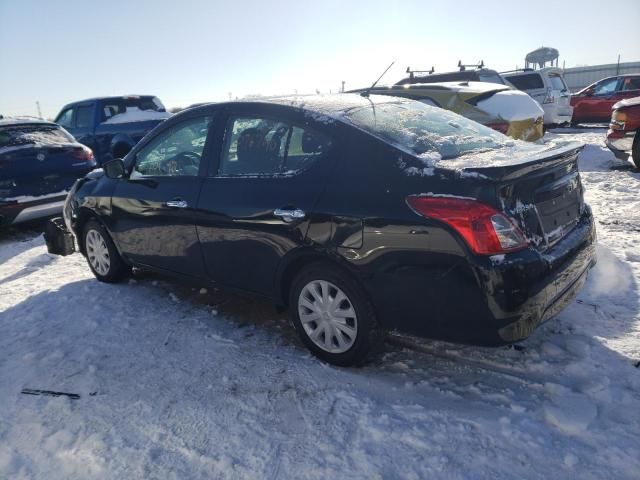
<point x="501" y="127"/>
<point x="84" y="153"/>
<point x="486" y="230"/>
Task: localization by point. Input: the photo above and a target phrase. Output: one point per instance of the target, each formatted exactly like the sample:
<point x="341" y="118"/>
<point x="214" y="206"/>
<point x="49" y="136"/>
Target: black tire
<point x="635" y="150"/>
<point x="369" y="337"/>
<point x="116" y="269"/>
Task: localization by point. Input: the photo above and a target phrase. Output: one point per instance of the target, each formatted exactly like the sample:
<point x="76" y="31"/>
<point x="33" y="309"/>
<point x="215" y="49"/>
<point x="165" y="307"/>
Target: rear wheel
<point x="333" y="316"/>
<point x="635" y="150"/>
<point x="102" y="256"/>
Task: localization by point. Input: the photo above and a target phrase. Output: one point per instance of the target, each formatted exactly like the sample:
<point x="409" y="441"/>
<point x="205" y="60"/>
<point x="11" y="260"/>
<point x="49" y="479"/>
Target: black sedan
<point x="39" y="162"/>
<point x="360" y="213"/>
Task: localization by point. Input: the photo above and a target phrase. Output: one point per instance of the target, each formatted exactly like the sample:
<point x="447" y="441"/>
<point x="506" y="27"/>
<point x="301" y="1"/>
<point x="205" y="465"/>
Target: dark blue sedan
<point x="39" y="161"/>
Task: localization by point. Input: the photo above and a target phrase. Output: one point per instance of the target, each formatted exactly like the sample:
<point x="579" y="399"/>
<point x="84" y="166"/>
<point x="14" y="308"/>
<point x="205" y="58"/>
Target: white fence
<point x="579" y="77"/>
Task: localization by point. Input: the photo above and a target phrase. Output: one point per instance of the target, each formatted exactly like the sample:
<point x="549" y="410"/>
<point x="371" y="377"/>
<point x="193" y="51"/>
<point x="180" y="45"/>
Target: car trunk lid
<point x="541" y="191"/>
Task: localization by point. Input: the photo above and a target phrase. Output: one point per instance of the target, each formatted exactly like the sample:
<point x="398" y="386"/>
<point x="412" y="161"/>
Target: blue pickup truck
<point x="111" y="126"/>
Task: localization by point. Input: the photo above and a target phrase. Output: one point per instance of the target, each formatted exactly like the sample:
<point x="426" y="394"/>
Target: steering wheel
<point x="182" y="161"/>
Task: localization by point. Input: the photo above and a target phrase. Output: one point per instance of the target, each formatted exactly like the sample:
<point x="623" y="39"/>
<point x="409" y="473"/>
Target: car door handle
<point x="177" y="203"/>
<point x="288" y="215"/>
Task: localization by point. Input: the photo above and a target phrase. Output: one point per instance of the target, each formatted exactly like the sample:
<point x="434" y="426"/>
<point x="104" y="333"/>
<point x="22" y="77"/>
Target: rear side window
<point x="557" y="82"/>
<point x="257" y="146"/>
<point x="174" y="152"/>
<point x="631" y="83"/>
<point x="84" y="116"/>
<point x="13" y="136"/>
<point x="490" y="77"/>
<point x="529" y="81"/>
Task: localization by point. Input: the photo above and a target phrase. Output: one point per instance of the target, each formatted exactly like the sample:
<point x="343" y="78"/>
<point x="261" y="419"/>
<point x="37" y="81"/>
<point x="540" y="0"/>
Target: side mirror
<point x="114" y="168"/>
<point x="589" y="91"/>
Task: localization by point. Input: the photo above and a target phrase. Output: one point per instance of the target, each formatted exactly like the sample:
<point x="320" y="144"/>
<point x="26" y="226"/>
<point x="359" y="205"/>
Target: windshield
<point x="420" y="129"/>
<point x="33" y="134"/>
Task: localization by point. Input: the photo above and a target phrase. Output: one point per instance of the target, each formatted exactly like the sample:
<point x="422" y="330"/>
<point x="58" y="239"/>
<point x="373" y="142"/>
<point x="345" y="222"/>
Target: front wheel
<point x="635" y="150"/>
<point x="102" y="255"/>
<point x="333" y="316"/>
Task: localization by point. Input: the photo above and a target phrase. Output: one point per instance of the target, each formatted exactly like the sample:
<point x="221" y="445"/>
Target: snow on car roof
<point x="8" y="121"/>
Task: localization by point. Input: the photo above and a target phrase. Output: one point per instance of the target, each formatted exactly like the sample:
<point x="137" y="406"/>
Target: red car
<point x="593" y="104"/>
<point x="622" y="137"/>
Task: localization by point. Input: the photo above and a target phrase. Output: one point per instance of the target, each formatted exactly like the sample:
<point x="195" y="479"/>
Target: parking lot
<point x="180" y="381"/>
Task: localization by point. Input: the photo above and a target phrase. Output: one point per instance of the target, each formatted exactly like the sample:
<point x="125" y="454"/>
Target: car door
<point x="259" y="197"/>
<point x="629" y="87"/>
<point x="597" y="107"/>
<point x="153" y="208"/>
<point x="84" y="122"/>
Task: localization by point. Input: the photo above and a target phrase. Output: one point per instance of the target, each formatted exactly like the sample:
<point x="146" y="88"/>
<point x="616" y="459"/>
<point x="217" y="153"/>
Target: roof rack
<point x="518" y="70"/>
<point x="477" y="66"/>
<point x="412" y="73"/>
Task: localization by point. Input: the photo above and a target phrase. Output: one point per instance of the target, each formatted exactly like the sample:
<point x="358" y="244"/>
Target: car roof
<point x="458" y="87"/>
<point x="11" y="121"/>
<point x="332" y="105"/>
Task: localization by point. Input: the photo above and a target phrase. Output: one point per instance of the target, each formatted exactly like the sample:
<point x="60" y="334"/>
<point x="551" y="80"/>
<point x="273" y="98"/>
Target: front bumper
<point x="620" y="143"/>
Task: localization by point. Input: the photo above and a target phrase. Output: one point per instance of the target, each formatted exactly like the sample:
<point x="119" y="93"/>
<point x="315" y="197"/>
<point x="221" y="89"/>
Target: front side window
<point x="84" y="116"/>
<point x="606" y="87"/>
<point x="174" y="152"/>
<point x="65" y="119"/>
<point x="264" y="146"/>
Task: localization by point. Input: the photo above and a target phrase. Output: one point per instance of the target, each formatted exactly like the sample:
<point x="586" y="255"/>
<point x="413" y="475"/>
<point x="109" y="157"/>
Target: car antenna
<point x="368" y="90"/>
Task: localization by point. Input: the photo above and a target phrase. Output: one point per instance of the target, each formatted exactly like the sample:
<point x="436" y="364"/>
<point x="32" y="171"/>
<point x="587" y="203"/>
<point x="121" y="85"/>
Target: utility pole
<point x="618" y="66"/>
<point x="39" y="112"/>
<point x="342" y="91"/>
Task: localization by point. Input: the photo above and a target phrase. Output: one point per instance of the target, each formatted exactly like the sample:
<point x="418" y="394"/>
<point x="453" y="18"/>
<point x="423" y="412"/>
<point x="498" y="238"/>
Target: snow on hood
<point x="627" y="102"/>
<point x="511" y="105"/>
<point x="134" y="114"/>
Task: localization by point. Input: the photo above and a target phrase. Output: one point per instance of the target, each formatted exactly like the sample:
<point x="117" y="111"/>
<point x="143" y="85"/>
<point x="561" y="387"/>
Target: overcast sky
<point x="191" y="51"/>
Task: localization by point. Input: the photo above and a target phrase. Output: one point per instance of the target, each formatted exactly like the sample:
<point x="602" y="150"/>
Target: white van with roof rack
<point x="548" y="88"/>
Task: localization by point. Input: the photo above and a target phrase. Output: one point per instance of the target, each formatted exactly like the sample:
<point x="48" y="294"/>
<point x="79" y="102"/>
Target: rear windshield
<point x="421" y="129"/>
<point x="528" y="81"/>
<point x="13" y="136"/>
<point x="557" y="83"/>
<point x="116" y="106"/>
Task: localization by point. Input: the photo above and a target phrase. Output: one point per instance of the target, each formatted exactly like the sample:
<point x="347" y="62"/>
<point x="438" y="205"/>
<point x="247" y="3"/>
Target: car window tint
<point x="606" y="87"/>
<point x="631" y="83"/>
<point x="174" y="152"/>
<point x="264" y="146"/>
<point x="84" y="116"/>
<point x="254" y="146"/>
<point x="305" y="147"/>
<point x="527" y="81"/>
<point x="66" y="118"/>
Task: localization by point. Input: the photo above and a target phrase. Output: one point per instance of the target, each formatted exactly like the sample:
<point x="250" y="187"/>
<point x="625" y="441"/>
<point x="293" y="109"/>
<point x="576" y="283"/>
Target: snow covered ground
<point x="176" y="382"/>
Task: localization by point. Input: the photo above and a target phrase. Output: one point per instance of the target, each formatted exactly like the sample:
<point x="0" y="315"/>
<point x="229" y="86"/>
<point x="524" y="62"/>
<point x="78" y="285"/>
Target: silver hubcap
<point x="97" y="252"/>
<point x="327" y="316"/>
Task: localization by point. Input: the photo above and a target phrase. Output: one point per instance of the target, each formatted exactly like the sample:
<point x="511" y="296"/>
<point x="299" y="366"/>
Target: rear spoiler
<point x="530" y="164"/>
